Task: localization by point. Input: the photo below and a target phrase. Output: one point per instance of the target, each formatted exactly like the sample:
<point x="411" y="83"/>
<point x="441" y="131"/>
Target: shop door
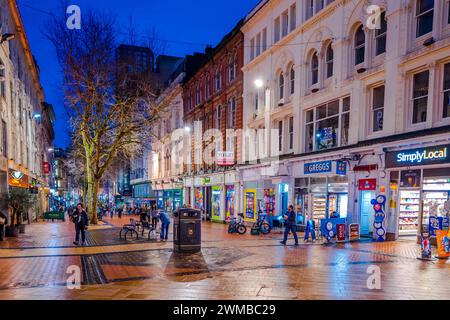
<point x="366" y="212"/>
<point x="208" y="203"/>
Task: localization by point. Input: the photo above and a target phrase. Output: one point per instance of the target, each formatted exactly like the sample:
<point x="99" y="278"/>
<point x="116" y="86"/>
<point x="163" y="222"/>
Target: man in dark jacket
<point x="290" y="221"/>
<point x="81" y="221"/>
<point x="165" y="222"/>
<point x="3" y="223"/>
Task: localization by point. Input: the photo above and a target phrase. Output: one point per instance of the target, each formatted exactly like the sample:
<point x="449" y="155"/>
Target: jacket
<point x="292" y="218"/>
<point x="80" y="218"/>
<point x="164" y="216"/>
<point x="3" y="216"/>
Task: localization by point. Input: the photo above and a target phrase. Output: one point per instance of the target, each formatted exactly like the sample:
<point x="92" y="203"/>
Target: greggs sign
<point x="417" y="157"/>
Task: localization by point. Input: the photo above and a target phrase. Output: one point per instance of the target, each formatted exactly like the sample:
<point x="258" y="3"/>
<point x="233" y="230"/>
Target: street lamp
<point x="259" y="83"/>
<point x="37" y="115"/>
<point x="187" y="129"/>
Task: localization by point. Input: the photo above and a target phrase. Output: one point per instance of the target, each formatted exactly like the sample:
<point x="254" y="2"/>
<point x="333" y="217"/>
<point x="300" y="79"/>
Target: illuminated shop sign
<point x="335" y="167"/>
<point x="417" y="157"/>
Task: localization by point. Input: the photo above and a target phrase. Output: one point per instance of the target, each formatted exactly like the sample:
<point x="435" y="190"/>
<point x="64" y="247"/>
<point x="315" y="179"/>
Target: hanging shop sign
<point x="367" y="184"/>
<point x="18" y="179"/>
<point x="354" y="232"/>
<point x="225" y="158"/>
<point x="46" y="167"/>
<point x="341" y="168"/>
<point x="417" y="157"/>
<point x="410" y="179"/>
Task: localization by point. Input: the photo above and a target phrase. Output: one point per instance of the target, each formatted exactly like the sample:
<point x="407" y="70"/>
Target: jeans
<point x="154" y="222"/>
<point x="290" y="228"/>
<point x="80" y="229"/>
<point x="309" y="230"/>
<point x="165" y="231"/>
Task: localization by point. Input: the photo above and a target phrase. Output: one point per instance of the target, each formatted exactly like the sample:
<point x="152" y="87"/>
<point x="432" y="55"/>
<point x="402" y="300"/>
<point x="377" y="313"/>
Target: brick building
<point x="212" y="95"/>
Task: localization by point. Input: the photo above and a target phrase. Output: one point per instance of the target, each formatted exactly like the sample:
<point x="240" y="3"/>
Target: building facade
<point x="213" y="105"/>
<point x="349" y="98"/>
<point x="26" y="121"/>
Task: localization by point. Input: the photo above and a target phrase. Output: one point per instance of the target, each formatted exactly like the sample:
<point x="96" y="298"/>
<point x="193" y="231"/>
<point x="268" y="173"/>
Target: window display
<point x="230" y="205"/>
<point x="269" y="199"/>
<point x="409" y="212"/>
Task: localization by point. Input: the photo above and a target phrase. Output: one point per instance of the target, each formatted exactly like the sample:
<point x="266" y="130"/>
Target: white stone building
<point x="346" y="86"/>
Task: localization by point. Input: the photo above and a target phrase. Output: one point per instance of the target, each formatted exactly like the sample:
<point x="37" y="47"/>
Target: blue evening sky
<point x="187" y="25"/>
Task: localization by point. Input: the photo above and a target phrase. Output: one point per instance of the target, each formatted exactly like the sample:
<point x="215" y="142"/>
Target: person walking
<point x="310" y="229"/>
<point x="165" y="222"/>
<point x="290" y="221"/>
<point x="81" y="221"/>
<point x="3" y="223"/>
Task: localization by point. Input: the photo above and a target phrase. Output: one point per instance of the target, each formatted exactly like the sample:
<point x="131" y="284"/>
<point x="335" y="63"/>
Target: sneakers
<point x="283" y="243"/>
<point x="75" y="243"/>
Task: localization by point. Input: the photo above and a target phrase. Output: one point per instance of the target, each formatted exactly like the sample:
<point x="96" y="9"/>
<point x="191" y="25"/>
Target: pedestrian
<point x="81" y="221"/>
<point x="111" y="212"/>
<point x="3" y="223"/>
<point x="155" y="217"/>
<point x="70" y="212"/>
<point x="290" y="221"/>
<point x="310" y="229"/>
<point x="165" y="222"/>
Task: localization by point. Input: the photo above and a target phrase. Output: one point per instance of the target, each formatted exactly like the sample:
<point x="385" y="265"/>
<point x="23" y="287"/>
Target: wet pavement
<point x="229" y="267"/>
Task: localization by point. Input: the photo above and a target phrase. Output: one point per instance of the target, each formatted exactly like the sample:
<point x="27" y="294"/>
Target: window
<point x="256" y="102"/>
<point x="310" y="9"/>
<point x="446" y="104"/>
<point x="330" y="61"/>
<point x="292" y="80"/>
<point x="291" y="133"/>
<point x="280" y="136"/>
<point x="293" y="17"/>
<point x="314" y="69"/>
<point x="197" y="94"/>
<point x="420" y="97"/>
<point x="360" y="45"/>
<point x="424" y="17"/>
<point x="264" y="39"/>
<point x="377" y="108"/>
<point x="380" y="35"/>
<point x="281" y="86"/>
<point x="327" y="126"/>
<point x="232" y="113"/>
<point x="258" y="44"/>
<point x="319" y="5"/>
<point x="277" y="30"/>
<point x="4" y="139"/>
<point x="448" y="12"/>
<point x="20" y="112"/>
<point x="252" y="49"/>
<point x="2" y="81"/>
<point x="219" y="117"/>
<point x="207" y="87"/>
<point x="285" y="23"/>
<point x="232" y="69"/>
<point x="218" y="80"/>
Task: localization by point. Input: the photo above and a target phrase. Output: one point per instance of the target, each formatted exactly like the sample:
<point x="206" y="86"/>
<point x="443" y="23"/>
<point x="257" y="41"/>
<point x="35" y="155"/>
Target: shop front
<point x="419" y="186"/>
<point x="321" y="190"/>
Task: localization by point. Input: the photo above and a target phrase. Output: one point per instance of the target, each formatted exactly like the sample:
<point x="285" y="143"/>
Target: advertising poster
<point x="410" y="179"/>
<point x="443" y="244"/>
<point x="198" y="201"/>
<point x="354" y="232"/>
<point x="341" y="230"/>
<point x="229" y="203"/>
<point x="216" y="191"/>
<point x="250" y="205"/>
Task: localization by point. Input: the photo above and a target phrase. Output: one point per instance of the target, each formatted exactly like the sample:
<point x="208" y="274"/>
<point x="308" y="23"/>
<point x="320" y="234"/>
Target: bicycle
<point x="237" y="226"/>
<point x="262" y="226"/>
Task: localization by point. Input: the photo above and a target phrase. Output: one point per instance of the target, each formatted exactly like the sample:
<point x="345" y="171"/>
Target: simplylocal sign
<point x="417" y="157"/>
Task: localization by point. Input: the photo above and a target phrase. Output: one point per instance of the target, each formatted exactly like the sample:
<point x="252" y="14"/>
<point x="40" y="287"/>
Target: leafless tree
<point x="111" y="109"/>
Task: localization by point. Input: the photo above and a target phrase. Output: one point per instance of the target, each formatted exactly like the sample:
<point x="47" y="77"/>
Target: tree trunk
<point x="95" y="186"/>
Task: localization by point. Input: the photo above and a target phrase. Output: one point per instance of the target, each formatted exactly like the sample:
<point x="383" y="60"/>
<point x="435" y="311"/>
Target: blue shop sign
<point x="341" y="168"/>
<point x="319" y="167"/>
<point x="417" y="157"/>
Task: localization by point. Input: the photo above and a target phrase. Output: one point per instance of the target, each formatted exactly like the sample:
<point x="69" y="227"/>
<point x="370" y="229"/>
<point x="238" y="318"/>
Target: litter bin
<point x="187" y="230"/>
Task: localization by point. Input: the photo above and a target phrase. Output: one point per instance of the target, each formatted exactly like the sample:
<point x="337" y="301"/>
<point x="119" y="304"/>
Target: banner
<point x="250" y="204"/>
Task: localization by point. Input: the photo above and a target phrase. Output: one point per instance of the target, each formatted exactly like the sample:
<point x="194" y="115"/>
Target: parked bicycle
<point x="237" y="225"/>
<point x="262" y="225"/>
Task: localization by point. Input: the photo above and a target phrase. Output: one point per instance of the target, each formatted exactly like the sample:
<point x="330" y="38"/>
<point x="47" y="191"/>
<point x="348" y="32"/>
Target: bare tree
<point x="111" y="109"/>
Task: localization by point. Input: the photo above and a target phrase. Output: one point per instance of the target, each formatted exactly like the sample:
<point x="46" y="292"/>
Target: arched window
<point x="380" y="35"/>
<point x="207" y="86"/>
<point x="330" y="60"/>
<point x="314" y="69"/>
<point x="360" y="45"/>
<point x="197" y="94"/>
<point x="292" y="79"/>
<point x="217" y="80"/>
<point x="281" y="86"/>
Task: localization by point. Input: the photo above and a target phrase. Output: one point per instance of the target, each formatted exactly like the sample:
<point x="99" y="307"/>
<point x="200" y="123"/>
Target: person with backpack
<point x="81" y="221"/>
<point x="290" y="221"/>
<point x="3" y="223"/>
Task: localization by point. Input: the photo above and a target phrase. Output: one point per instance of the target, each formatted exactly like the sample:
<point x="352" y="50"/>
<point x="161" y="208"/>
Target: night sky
<point x="186" y="27"/>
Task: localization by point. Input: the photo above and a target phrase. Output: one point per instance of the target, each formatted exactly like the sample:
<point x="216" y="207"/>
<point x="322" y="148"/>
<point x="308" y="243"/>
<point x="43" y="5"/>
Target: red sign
<point x="370" y="167"/>
<point x="367" y="184"/>
<point x="46" y="168"/>
<point x="341" y="230"/>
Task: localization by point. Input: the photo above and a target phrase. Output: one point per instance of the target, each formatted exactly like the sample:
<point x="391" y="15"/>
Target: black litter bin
<point x="187" y="230"/>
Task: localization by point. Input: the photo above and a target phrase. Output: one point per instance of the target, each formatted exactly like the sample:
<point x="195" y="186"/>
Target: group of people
<point x="153" y="216"/>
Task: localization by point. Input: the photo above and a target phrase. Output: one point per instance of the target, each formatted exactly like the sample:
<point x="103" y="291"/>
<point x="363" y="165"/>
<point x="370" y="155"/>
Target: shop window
<point x="380" y="35"/>
<point x="420" y="97"/>
<point x="446" y="102"/>
<point x="424" y="17"/>
<point x="360" y="45"/>
<point x="330" y="61"/>
<point x="377" y="108"/>
<point x="327" y="126"/>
